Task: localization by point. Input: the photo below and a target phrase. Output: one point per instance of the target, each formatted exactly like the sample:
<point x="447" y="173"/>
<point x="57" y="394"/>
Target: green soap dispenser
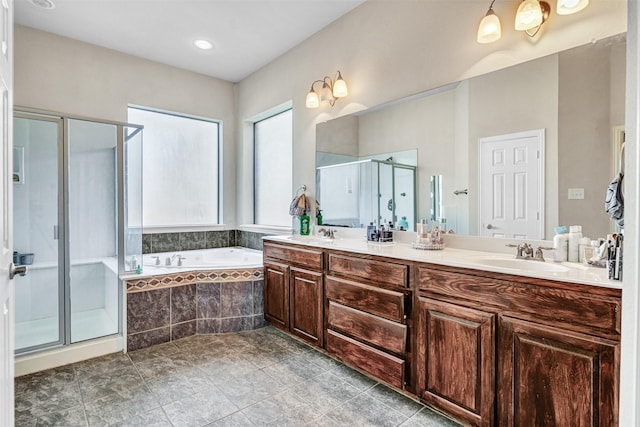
<point x="319" y="217"/>
<point x="305" y="222"/>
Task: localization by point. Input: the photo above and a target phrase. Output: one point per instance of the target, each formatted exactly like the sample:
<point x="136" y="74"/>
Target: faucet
<point x="525" y="251"/>
<point x="539" y="256"/>
<point x="327" y="232"/>
<point x="169" y="260"/>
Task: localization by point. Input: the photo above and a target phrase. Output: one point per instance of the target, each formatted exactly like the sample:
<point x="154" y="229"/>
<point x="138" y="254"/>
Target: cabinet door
<point x="456" y="360"/>
<point x="549" y="377"/>
<point x="276" y="294"/>
<point x="305" y="305"/>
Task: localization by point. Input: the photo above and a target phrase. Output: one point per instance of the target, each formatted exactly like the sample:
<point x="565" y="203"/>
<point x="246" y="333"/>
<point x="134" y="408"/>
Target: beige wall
<point x="587" y="119"/>
<point x="388" y="50"/>
<point x="64" y="75"/>
<point x="501" y="104"/>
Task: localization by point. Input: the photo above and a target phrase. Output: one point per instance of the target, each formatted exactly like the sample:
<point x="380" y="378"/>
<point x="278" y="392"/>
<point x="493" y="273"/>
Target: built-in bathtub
<point x="213" y="291"/>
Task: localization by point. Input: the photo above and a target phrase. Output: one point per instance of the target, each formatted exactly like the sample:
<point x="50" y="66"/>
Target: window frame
<point x="190" y="227"/>
<point x="281" y="109"/>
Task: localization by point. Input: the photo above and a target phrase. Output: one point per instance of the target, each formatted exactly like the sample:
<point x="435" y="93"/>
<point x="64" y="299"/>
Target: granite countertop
<point x="464" y="258"/>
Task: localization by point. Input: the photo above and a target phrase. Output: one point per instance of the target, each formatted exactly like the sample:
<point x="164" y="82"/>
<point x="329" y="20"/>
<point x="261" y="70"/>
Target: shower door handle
<point x="55" y="232"/>
<point x="19" y="270"/>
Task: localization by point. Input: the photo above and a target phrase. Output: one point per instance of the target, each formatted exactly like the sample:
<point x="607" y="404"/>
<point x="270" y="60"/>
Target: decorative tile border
<point x="189" y="277"/>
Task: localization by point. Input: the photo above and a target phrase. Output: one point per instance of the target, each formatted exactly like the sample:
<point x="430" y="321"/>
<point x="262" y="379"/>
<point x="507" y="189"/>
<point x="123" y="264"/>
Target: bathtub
<point x="213" y="291"/>
<point x="205" y="259"/>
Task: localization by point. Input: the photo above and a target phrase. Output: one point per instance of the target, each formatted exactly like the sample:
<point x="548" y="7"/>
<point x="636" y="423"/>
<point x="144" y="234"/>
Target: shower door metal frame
<point x="22" y="114"/>
<point x="64" y="263"/>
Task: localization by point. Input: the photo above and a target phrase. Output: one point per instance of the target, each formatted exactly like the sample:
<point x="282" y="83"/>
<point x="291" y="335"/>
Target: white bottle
<point x="561" y="247"/>
<point x="575" y="234"/>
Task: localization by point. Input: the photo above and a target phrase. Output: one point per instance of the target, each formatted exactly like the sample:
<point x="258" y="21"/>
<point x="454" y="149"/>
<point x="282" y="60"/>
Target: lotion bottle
<point x="575" y="234"/>
<point x="561" y="247"/>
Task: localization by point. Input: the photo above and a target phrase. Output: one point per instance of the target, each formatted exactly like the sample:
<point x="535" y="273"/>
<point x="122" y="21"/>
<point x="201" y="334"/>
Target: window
<point x="273" y="142"/>
<point x="179" y="169"/>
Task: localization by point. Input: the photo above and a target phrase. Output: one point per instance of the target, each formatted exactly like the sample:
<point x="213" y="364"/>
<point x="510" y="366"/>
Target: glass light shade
<point x="567" y="7"/>
<point x="489" y="29"/>
<point x="340" y="87"/>
<point x="529" y="15"/>
<point x="312" y="99"/>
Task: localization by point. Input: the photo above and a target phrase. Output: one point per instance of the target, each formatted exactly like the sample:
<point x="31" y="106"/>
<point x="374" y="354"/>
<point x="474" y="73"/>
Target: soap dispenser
<point x="305" y="221"/>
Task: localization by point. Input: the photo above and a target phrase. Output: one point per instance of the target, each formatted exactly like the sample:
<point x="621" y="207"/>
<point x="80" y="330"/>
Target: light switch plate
<point x="576" y="193"/>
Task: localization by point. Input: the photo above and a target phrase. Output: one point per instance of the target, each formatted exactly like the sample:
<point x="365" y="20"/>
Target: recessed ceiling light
<point x="43" y="4"/>
<point x="199" y="43"/>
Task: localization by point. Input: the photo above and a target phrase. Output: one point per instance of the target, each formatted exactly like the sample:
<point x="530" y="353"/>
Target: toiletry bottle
<point x="305" y="224"/>
<point x="561" y="247"/>
<point x="371" y="232"/>
<point x="319" y="217"/>
<point x="575" y="234"/>
<point x="403" y="223"/>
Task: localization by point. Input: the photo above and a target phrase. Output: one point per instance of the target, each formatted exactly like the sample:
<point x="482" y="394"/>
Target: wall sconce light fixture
<point x="329" y="91"/>
<point x="530" y="16"/>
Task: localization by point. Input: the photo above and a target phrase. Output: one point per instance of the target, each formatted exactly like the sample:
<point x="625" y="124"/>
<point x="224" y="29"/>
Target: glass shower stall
<point x="72" y="227"/>
<point x="353" y="194"/>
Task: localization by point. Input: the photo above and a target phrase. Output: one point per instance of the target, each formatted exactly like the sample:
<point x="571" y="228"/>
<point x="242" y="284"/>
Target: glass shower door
<point x="37" y="209"/>
<point x="92" y="229"/>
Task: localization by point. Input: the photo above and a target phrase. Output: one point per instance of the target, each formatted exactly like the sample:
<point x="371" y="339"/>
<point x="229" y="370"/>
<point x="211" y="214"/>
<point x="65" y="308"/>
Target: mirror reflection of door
<point x="511" y="185"/>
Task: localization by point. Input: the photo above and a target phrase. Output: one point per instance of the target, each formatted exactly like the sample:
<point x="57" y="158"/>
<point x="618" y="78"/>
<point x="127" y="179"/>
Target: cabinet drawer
<point x="305" y="257"/>
<point x="377" y="271"/>
<point x="374" y="330"/>
<point x="381" y="302"/>
<point x="576" y="310"/>
<point x="378" y="363"/>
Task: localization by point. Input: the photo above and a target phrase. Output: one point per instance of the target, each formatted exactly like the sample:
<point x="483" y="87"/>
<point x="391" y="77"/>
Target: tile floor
<point x="260" y="377"/>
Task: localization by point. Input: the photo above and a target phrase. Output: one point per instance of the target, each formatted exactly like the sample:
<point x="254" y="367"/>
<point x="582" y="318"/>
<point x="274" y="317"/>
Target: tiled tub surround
<point x="172" y="242"/>
<point x="166" y="304"/>
<point x="165" y="308"/>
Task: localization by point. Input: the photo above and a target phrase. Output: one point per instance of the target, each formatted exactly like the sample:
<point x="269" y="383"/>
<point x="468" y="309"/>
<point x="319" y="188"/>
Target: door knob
<point x="19" y="270"/>
<point x="489" y="226"/>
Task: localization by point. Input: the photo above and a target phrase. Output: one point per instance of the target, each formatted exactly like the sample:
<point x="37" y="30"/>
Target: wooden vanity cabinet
<point x="367" y="303"/>
<point x="551" y="377"/>
<point x="455" y="361"/>
<point x="293" y="291"/>
<point x="495" y="349"/>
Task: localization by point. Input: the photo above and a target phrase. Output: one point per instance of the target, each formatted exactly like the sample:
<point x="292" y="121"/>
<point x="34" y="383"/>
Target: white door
<point x="511" y="182"/>
<point x="6" y="226"/>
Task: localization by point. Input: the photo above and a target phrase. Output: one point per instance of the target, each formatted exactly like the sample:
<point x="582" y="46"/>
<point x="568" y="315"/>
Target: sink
<point x="521" y="264"/>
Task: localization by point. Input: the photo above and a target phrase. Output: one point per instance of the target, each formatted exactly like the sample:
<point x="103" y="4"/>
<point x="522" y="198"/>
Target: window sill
<point x="266" y="229"/>
<point x="184" y="228"/>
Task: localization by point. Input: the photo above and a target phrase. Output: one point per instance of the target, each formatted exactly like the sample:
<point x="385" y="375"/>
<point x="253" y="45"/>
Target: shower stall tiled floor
<point x="260" y="377"/>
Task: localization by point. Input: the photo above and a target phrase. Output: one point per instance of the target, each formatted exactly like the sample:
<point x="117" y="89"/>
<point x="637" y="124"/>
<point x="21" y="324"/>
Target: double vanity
<point x="483" y="337"/>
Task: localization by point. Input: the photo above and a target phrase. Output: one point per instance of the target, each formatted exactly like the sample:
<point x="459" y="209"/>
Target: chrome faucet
<point x="328" y="232"/>
<point x="169" y="260"/>
<point x="525" y="251"/>
<point x="539" y="256"/>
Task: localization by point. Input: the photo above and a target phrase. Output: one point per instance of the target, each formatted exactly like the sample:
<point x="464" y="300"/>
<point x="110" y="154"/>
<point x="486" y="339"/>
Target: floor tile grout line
<point x="84" y="409"/>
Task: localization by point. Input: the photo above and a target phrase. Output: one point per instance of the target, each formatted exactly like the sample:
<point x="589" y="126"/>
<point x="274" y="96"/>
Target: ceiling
<point x="247" y="34"/>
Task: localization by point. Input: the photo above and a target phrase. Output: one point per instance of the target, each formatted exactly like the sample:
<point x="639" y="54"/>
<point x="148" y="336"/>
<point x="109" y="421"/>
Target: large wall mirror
<point x="555" y="124"/>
